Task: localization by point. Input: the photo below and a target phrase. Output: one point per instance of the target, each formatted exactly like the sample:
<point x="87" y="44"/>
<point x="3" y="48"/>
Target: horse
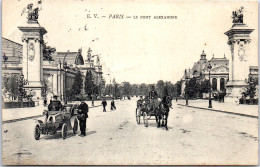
<point x="162" y="112"/>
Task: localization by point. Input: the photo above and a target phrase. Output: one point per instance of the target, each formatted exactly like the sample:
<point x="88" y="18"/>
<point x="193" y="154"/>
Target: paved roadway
<point x="195" y="136"/>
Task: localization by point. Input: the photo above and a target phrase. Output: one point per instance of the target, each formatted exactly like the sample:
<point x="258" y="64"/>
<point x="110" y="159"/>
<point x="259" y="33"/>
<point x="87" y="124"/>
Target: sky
<point x="137" y="50"/>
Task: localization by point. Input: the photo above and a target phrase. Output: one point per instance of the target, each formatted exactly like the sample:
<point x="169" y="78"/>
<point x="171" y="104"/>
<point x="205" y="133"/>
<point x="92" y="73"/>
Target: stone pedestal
<point x="238" y="40"/>
<point x="32" y="39"/>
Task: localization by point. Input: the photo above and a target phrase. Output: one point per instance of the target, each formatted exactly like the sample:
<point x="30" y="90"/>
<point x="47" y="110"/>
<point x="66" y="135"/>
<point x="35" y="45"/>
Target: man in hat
<point x="113" y="106"/>
<point x="140" y="101"/>
<point x="153" y="97"/>
<point x="104" y="103"/>
<point x="83" y="115"/>
<point x="55" y="104"/>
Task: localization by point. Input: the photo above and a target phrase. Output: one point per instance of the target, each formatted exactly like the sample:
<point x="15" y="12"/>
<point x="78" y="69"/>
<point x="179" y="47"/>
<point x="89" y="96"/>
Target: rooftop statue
<point x="32" y="12"/>
<point x="237" y="15"/>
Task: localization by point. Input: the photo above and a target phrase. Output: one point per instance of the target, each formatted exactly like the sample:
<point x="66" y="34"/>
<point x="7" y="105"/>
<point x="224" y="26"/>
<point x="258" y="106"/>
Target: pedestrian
<point x="237" y="100"/>
<point x="83" y="115"/>
<point x="104" y="103"/>
<point x="45" y="102"/>
<point x="113" y="105"/>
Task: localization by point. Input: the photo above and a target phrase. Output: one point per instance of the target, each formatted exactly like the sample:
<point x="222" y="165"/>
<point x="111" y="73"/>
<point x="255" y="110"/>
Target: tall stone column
<point x="238" y="40"/>
<point x="32" y="39"/>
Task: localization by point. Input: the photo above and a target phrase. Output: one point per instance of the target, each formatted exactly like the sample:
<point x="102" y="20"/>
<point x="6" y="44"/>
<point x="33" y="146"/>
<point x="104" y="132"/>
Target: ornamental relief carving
<point x="31" y="51"/>
<point x="241" y="52"/>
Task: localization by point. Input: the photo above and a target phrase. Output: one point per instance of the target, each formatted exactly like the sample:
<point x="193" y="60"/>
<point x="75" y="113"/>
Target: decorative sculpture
<point x="237" y="15"/>
<point x="33" y="13"/>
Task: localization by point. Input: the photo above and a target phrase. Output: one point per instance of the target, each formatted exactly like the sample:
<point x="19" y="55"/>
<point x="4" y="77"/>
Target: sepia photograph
<point x="134" y="82"/>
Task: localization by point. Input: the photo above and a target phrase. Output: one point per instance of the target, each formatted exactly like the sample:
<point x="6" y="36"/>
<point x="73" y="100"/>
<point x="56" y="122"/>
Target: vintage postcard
<point x="134" y="82"/>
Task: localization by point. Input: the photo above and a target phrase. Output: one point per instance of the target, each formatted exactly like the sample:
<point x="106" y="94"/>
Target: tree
<point x="204" y="86"/>
<point x="134" y="89"/>
<point x="126" y="88"/>
<point x="169" y="88"/>
<point x="107" y="89"/>
<point x="89" y="85"/>
<point x="178" y="88"/>
<point x="117" y="90"/>
<point x="143" y="89"/>
<point x="11" y="85"/>
<point x="193" y="88"/>
<point x="48" y="51"/>
<point x="14" y="86"/>
<point x="77" y="84"/>
<point x="160" y="88"/>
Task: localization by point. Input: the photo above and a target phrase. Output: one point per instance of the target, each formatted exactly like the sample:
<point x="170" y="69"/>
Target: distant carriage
<point x="219" y="96"/>
<point x="160" y="111"/>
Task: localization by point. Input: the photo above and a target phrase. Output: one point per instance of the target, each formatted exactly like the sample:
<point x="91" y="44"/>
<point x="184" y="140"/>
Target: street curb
<point x="227" y="112"/>
<point x="31" y="117"/>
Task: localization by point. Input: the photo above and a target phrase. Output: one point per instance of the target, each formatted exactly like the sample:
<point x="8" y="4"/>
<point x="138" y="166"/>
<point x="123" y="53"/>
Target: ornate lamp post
<point x="92" y="96"/>
<point x="65" y="87"/>
<point x="210" y="103"/>
<point x="110" y="85"/>
<point x="186" y="87"/>
<point x="60" y="93"/>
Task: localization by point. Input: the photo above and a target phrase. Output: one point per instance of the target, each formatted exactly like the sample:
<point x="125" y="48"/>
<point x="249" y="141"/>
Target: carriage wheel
<point x="138" y="115"/>
<point x="75" y="126"/>
<point x="145" y="119"/>
<point x="37" y="133"/>
<point x="64" y="130"/>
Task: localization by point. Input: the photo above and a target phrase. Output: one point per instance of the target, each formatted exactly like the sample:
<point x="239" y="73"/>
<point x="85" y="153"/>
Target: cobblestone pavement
<point x="195" y="137"/>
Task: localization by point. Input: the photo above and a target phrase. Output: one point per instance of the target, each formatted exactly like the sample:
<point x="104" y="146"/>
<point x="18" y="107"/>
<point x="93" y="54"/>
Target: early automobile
<point x="58" y="120"/>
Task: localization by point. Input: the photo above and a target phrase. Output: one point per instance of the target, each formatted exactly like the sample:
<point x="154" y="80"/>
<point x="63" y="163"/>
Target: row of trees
<point x="89" y="86"/>
<point x="126" y="89"/>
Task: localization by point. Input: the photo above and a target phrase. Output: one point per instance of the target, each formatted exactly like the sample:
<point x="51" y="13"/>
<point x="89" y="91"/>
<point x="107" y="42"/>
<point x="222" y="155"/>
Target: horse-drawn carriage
<point x="158" y="108"/>
<point x="58" y="120"/>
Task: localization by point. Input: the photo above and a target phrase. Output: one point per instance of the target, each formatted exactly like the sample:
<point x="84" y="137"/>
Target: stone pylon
<point x="238" y="40"/>
<point x="32" y="39"/>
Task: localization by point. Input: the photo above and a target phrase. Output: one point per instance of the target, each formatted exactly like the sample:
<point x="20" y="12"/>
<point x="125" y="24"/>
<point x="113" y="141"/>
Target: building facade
<point x="59" y="70"/>
<point x="200" y="71"/>
<point x="219" y="73"/>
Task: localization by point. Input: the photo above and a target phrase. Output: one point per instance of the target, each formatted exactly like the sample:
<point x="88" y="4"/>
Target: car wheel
<point x="37" y="132"/>
<point x="64" y="131"/>
<point x="75" y="126"/>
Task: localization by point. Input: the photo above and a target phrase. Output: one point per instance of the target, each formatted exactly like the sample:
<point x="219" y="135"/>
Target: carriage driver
<point x="153" y="97"/>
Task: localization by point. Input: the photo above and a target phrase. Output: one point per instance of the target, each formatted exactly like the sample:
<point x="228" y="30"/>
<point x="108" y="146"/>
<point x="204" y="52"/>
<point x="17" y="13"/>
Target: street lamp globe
<point x="209" y="66"/>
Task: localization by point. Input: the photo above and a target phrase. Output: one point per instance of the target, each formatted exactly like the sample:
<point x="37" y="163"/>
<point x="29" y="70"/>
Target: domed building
<point x="218" y="74"/>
